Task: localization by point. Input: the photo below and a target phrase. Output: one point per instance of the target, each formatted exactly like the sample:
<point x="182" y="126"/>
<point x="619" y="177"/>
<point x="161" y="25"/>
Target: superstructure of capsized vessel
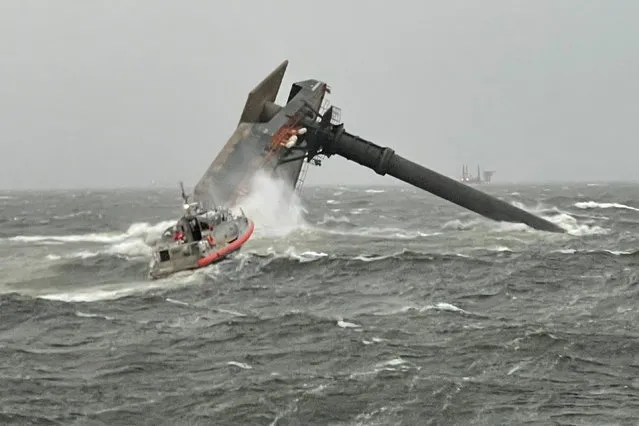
<point x="283" y="140"/>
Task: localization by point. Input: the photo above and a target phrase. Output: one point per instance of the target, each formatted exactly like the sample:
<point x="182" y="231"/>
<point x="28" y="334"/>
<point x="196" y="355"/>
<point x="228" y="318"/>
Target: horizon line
<point x="321" y="185"/>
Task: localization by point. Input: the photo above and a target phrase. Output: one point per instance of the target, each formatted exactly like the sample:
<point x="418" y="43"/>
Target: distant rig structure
<point x="485" y="177"/>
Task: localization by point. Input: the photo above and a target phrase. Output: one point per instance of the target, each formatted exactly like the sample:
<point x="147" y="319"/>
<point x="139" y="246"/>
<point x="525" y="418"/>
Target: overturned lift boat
<point x="200" y="238"/>
<point x="283" y="140"/>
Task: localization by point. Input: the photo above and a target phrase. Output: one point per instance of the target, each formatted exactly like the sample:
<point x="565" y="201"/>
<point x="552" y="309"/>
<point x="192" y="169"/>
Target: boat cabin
<point x="190" y="227"/>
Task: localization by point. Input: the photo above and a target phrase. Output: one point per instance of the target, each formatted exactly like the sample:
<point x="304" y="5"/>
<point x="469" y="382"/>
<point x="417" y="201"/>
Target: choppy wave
<point x="564" y="219"/>
<point x="599" y="252"/>
<point x="250" y="263"/>
<point x="595" y="205"/>
<point x="140" y="230"/>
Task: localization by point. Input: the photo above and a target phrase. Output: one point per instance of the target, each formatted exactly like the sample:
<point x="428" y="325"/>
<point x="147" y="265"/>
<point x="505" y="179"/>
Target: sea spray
<point x="273" y="205"/>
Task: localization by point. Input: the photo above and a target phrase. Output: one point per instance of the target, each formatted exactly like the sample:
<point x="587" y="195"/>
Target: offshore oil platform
<point x="485" y="177"/>
<point x="284" y="140"/>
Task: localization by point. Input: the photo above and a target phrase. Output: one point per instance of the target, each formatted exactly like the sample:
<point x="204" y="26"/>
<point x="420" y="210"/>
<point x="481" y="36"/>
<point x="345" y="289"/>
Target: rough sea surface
<point x="356" y="306"/>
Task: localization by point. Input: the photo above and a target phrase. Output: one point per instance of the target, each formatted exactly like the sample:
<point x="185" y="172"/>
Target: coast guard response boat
<point x="200" y="238"/>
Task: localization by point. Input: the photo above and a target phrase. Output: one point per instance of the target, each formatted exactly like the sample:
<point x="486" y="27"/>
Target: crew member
<point x="179" y="235"/>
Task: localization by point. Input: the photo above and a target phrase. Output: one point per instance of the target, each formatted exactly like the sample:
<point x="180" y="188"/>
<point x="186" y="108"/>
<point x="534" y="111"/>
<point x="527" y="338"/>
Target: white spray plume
<point x="273" y="205"/>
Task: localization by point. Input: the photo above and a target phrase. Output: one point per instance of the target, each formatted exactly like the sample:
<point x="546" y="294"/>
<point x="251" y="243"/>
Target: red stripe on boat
<point x="229" y="248"/>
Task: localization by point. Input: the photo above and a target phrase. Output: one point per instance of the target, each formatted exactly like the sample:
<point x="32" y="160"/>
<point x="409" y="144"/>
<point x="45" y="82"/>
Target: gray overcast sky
<point x="101" y="93"/>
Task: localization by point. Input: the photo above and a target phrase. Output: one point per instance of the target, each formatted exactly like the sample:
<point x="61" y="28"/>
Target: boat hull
<point x="215" y="246"/>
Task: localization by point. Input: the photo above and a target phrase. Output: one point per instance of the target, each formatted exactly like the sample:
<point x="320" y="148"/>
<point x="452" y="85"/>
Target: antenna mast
<point x="183" y="193"/>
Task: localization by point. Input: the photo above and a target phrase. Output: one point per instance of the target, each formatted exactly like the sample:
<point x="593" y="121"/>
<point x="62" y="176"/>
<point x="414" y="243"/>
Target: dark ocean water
<point x="371" y="306"/>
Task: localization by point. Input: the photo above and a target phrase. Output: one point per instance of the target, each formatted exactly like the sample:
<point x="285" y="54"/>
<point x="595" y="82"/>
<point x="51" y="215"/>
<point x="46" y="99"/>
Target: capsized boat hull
<point x="226" y="238"/>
